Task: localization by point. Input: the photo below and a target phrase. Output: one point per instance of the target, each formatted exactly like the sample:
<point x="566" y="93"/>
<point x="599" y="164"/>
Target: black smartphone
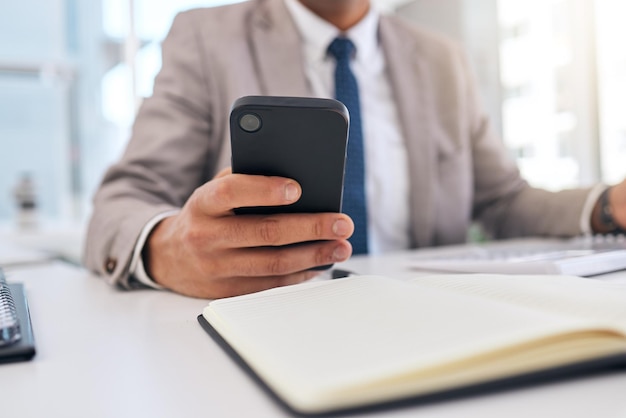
<point x="304" y="139"/>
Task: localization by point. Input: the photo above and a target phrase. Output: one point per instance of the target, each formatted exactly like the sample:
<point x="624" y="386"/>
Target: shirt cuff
<point x="592" y="198"/>
<point x="137" y="269"/>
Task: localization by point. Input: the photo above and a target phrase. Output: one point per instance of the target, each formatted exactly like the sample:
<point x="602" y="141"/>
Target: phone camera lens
<point x="250" y="122"/>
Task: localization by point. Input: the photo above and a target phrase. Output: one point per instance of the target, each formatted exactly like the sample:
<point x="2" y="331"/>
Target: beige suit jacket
<point x="459" y="171"/>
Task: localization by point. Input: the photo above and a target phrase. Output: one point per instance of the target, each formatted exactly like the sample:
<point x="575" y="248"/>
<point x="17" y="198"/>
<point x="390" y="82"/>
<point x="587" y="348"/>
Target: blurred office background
<point x="552" y="74"/>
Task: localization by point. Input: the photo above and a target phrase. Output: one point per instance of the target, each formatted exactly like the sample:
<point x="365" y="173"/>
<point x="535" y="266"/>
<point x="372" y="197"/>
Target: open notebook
<point x="333" y="346"/>
<point x="581" y="256"/>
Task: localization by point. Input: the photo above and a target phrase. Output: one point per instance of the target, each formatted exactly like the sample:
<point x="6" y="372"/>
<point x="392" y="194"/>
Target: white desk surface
<point x="102" y="352"/>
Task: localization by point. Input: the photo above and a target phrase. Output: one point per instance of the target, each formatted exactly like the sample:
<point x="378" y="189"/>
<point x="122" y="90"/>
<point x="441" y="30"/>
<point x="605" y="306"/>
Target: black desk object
<point x="24" y="348"/>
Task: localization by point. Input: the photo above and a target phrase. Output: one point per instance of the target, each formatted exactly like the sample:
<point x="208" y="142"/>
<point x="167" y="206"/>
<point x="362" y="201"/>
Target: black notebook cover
<point x="615" y="363"/>
<point x="24" y="349"/>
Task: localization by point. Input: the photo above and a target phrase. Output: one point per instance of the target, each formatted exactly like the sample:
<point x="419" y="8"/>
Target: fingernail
<point x="291" y="192"/>
<point x="341" y="227"/>
<point x="341" y="253"/>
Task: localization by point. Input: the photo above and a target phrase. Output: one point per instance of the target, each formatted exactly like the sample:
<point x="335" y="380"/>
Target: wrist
<point x="603" y="216"/>
<point x="156" y="250"/>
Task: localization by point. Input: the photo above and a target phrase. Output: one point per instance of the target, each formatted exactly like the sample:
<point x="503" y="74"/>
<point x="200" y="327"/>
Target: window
<point x="71" y="75"/>
<point x="38" y="92"/>
<point x="611" y="55"/>
<point x="563" y="73"/>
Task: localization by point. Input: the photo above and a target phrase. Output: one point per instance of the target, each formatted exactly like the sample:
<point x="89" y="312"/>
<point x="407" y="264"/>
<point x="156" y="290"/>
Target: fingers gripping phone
<point x="304" y="139"/>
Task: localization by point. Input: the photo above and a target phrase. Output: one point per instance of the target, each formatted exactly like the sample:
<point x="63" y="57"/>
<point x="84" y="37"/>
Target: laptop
<point x="581" y="256"/>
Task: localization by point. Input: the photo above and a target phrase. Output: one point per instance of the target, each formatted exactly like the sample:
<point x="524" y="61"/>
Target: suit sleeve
<point x="165" y="160"/>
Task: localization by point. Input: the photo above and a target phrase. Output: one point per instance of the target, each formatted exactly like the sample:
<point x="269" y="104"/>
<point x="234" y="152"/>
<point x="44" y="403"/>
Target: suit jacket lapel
<point x="277" y="51"/>
<point x="407" y="74"/>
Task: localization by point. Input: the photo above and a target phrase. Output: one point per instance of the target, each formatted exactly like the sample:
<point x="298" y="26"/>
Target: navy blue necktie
<point x="347" y="92"/>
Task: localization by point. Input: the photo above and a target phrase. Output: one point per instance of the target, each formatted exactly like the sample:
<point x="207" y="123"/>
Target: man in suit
<point x="163" y="216"/>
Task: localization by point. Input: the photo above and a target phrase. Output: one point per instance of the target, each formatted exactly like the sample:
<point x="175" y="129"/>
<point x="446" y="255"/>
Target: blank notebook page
<point x="313" y="339"/>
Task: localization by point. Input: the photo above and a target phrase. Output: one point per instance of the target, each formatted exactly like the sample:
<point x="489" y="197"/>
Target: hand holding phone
<point x="207" y="251"/>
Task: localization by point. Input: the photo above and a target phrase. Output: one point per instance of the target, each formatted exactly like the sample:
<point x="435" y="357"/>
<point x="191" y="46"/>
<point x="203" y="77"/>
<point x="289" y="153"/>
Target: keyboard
<point x="582" y="256"/>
